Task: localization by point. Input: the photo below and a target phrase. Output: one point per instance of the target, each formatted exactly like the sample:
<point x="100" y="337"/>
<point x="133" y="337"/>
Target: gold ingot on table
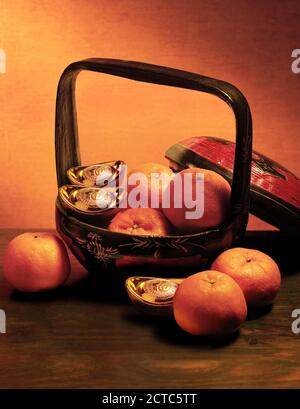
<point x="98" y="175"/>
<point x="153" y="295"/>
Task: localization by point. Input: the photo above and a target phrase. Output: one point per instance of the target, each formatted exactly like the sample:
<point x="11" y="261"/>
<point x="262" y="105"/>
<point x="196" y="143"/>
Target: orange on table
<point x="209" y="303"/>
<point x="257" y="274"/>
<point x="36" y="261"/>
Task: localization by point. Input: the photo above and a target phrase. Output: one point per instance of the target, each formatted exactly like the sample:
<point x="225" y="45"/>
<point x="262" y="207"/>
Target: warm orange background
<point x="248" y="43"/>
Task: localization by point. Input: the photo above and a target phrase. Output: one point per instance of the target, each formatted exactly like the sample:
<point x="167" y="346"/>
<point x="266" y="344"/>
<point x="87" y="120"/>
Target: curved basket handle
<point x="66" y="132"/>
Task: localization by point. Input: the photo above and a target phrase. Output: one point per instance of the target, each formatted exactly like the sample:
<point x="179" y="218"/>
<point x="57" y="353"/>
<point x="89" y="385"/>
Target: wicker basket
<point x="100" y="249"/>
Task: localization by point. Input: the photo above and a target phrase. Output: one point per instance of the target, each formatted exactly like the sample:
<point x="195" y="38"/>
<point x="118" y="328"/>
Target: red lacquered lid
<point x="275" y="192"/>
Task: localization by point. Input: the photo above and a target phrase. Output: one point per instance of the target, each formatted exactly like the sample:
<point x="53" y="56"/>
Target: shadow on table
<point x="90" y="288"/>
<point x="166" y="329"/>
<point x="256" y="313"/>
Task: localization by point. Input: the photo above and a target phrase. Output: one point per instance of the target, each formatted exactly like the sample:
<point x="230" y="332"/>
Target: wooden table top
<point x="85" y="336"/>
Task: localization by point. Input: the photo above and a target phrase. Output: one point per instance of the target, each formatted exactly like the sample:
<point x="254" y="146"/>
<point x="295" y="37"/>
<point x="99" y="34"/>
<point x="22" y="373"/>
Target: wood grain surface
<point x="88" y="335"/>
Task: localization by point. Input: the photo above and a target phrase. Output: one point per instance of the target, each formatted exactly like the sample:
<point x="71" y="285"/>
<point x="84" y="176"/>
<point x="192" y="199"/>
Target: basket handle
<point x="66" y="132"/>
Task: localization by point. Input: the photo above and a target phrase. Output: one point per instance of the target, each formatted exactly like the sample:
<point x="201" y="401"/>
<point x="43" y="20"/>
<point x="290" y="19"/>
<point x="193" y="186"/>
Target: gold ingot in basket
<point x="90" y="203"/>
<point x="98" y="175"/>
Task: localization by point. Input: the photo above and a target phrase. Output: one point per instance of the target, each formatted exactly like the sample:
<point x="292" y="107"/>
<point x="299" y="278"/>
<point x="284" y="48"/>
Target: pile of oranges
<point x="171" y="219"/>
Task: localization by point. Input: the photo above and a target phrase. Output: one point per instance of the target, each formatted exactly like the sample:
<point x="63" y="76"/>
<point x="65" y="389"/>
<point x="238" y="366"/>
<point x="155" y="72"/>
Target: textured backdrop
<point x="248" y="43"/>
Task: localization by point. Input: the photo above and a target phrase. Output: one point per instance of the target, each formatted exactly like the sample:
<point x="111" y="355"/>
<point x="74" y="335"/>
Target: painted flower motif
<point x="93" y="244"/>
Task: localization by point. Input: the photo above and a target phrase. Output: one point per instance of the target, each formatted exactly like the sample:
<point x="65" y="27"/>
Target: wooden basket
<point x="100" y="249"/>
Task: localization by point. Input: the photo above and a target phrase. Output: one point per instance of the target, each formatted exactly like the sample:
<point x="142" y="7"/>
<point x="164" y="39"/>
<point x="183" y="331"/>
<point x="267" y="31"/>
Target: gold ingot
<point x="153" y="295"/>
<point x="92" y="205"/>
<point x="98" y="175"/>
